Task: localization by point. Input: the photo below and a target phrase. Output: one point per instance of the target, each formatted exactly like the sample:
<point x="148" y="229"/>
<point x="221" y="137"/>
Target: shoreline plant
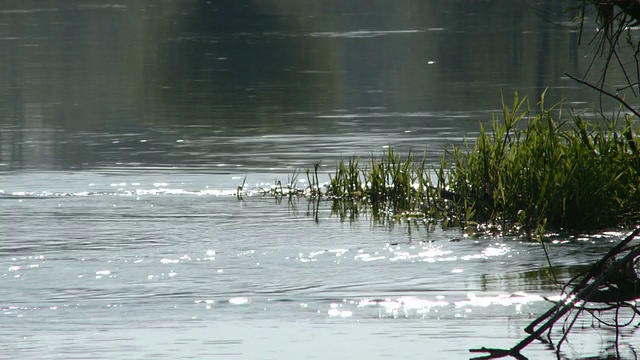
<point x="527" y="173"/>
<point x="537" y="171"/>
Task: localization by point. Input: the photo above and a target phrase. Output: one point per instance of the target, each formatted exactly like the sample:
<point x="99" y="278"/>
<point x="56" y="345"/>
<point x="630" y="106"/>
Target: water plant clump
<point x="530" y="171"/>
<point x="391" y="187"/>
<point x="550" y="174"/>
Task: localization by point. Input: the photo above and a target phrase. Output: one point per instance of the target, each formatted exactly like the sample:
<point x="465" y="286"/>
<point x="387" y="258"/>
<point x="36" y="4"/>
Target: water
<point x="126" y="128"/>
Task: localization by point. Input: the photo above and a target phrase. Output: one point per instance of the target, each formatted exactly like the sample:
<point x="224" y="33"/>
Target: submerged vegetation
<point x="530" y="171"/>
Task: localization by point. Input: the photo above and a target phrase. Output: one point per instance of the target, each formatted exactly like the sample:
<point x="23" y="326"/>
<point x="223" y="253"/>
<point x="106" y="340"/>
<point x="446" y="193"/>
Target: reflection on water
<point x="125" y="129"/>
<point x="539" y="279"/>
<point x="217" y="86"/>
<point x="122" y="259"/>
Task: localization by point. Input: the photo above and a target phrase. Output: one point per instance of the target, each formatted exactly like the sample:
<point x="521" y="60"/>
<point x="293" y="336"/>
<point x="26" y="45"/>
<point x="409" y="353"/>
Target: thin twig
<point x="614" y="96"/>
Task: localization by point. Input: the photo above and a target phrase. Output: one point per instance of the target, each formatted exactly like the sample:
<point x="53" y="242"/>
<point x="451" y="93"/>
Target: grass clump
<point x="530" y="171"/>
<point x="561" y="175"/>
<point x="391" y="187"/>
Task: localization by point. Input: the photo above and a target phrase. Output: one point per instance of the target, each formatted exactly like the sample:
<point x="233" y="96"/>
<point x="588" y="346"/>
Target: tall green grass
<point x="391" y="187"/>
<point x="529" y="170"/>
<point x="533" y="171"/>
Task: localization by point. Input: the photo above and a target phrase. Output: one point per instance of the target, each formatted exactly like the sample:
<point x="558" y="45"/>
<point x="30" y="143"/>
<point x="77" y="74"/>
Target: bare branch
<point x="602" y="91"/>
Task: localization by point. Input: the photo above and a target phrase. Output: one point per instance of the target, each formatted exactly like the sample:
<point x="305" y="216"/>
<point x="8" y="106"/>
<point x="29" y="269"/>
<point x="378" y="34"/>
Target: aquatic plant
<point x="528" y="172"/>
<point x="574" y="175"/>
<point x="391" y="186"/>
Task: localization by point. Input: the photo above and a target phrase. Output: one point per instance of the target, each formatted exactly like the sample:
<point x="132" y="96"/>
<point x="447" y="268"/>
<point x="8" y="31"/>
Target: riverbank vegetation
<point x="549" y="170"/>
<point x="530" y="170"/>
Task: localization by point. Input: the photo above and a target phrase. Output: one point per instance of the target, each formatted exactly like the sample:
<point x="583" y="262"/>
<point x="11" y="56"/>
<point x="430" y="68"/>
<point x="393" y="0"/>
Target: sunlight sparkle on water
<point x="490" y="251"/>
<point x="517" y="298"/>
<point x="169" y="261"/>
<point x="368" y="257"/>
<point x="335" y="310"/>
<point x="238" y="301"/>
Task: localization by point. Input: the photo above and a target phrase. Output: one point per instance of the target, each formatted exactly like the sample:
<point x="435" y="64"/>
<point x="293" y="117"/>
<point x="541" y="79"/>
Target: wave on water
<point x="136" y="192"/>
<point x="419" y="114"/>
<point x="363" y="33"/>
<point x="157" y="190"/>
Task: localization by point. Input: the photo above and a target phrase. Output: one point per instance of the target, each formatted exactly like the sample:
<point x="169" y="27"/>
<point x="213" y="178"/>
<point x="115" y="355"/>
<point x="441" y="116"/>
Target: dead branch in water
<point x="612" y="280"/>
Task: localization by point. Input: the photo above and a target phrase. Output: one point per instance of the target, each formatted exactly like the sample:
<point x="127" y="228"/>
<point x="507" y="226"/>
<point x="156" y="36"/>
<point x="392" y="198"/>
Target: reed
<point x="392" y="187"/>
<point x="561" y="175"/>
<point x="528" y="171"/>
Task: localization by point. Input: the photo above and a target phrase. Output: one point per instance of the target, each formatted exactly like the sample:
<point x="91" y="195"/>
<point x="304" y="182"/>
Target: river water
<point x="125" y="129"/>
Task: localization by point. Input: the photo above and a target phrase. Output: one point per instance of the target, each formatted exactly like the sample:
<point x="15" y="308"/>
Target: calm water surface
<point x="125" y="129"/>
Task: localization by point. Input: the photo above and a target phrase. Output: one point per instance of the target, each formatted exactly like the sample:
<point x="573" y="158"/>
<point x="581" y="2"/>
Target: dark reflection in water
<point x="541" y="279"/>
<point x="219" y="86"/>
